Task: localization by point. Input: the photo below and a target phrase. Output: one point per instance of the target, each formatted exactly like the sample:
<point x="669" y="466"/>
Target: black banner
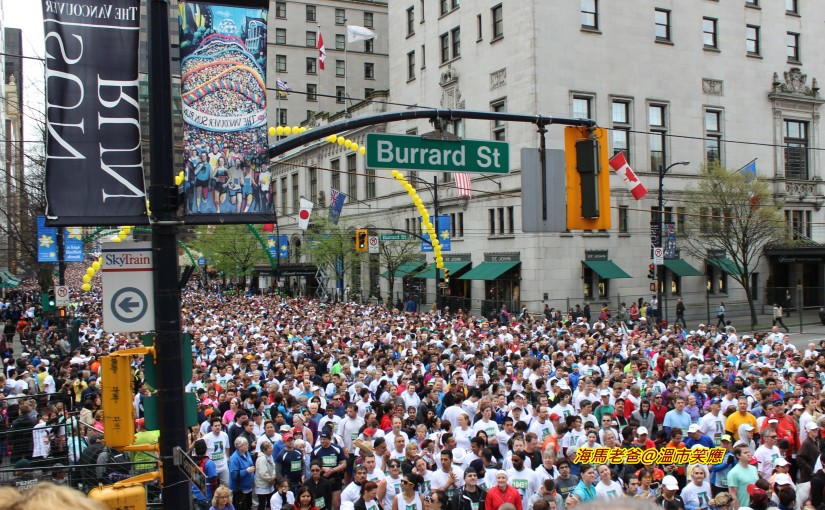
<point x="94" y="166"/>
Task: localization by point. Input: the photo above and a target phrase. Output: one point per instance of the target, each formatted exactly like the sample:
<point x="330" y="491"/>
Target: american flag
<point x="462" y="182"/>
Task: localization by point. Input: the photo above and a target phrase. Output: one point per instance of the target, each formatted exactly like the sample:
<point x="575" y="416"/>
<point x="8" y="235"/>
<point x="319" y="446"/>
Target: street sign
<point x="190" y="468"/>
<point x="658" y="256"/>
<point x="394" y="237"/>
<point x="61" y="295"/>
<point x="128" y="288"/>
<point x="201" y="261"/>
<point x="372" y="244"/>
<point x="405" y="152"/>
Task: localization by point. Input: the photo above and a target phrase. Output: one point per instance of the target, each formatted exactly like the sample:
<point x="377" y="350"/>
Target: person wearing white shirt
<point x="522" y="478"/>
<point x="410" y="397"/>
<point x="448" y="477"/>
<point x="396" y="431"/>
<point x="767" y="453"/>
<point x="713" y="423"/>
<point x="607" y="488"/>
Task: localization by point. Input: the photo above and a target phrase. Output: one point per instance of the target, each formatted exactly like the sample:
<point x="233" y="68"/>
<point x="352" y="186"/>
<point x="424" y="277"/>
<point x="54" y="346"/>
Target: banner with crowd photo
<point x="94" y="164"/>
<point x="223" y="95"/>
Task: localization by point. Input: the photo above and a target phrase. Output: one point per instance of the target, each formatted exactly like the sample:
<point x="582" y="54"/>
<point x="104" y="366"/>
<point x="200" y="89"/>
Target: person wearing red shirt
<point x="643" y="440"/>
<point x="502" y="493"/>
<point x="658" y="409"/>
<point x="786" y="428"/>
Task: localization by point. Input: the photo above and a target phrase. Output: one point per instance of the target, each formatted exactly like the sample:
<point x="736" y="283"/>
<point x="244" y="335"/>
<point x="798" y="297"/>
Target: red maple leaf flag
<point x="618" y="164"/>
<point x="322" y="51"/>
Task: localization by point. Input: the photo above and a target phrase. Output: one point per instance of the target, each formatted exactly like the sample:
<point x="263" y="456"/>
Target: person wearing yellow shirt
<point x="739" y="418"/>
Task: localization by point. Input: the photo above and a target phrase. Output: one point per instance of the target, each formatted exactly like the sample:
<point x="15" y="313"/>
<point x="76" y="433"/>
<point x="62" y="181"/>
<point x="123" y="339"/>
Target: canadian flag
<point x="619" y="165"/>
<point x="303" y="214"/>
<point x="322" y="51"/>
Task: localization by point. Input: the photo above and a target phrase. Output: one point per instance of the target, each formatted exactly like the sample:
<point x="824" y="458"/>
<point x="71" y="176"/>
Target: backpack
<point x="118" y="465"/>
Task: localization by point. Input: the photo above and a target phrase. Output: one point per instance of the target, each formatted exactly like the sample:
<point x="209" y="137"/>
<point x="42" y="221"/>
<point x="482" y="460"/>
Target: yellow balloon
<point x="362" y="150"/>
<point x="178" y="180"/>
<point x="116" y="240"/>
<point x="395" y="173"/>
<point x="332" y="138"/>
<point x="96" y="265"/>
<point x="86" y="278"/>
<point x="303" y="129"/>
<point x="348" y="143"/>
<point x="340" y="140"/>
<point x="272" y="131"/>
<point x="287" y="130"/>
<point x="86" y="287"/>
<point x="280" y="131"/>
<point x="296" y="130"/>
<point x="354" y="147"/>
<point x="90" y="271"/>
<point x="129" y="229"/>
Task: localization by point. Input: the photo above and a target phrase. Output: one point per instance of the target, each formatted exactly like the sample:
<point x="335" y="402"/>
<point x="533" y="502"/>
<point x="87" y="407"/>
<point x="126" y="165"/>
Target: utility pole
<point x="660" y="270"/>
<point x="163" y="195"/>
<point x="435" y="222"/>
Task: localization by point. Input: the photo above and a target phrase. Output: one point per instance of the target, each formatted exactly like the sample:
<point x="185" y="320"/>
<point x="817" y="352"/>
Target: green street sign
<point x="405" y="152"/>
<point x="394" y="237"/>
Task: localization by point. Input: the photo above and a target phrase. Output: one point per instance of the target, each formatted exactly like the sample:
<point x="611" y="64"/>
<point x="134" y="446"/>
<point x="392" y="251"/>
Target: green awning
<point x="606" y="269"/>
<point x="8" y="281"/>
<point x="488" y="271"/>
<point x="454" y="267"/>
<point x="405" y="269"/>
<point x="682" y="268"/>
<point x="726" y="265"/>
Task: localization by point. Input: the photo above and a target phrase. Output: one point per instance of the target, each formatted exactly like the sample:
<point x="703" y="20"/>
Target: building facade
<point x="700" y="81"/>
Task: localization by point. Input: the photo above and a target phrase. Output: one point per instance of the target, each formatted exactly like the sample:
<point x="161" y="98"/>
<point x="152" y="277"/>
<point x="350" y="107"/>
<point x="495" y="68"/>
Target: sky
<point x="27" y="15"/>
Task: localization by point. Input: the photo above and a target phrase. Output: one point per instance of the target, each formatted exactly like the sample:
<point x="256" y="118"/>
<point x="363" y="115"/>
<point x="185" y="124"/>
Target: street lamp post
<point x="434" y="190"/>
<point x="660" y="271"/>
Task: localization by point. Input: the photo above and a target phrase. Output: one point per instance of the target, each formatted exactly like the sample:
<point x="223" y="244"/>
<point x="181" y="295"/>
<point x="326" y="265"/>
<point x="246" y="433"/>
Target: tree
<point x="731" y="211"/>
<point x="231" y="249"/>
<point x="332" y="247"/>
<point x="395" y="254"/>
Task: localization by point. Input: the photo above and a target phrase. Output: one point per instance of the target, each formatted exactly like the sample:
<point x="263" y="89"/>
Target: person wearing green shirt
<point x="740" y="476"/>
<point x="143" y="436"/>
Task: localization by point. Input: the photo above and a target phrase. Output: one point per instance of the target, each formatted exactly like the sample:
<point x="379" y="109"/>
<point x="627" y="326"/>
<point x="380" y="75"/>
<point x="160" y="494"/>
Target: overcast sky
<point x="27" y="15"/>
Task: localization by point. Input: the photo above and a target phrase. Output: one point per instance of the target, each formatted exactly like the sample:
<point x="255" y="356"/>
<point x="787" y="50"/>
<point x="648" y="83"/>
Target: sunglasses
<point x="407" y="482"/>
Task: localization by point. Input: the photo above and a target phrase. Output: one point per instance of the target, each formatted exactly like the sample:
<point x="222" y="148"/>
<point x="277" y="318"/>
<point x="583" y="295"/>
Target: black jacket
<point x="463" y="500"/>
<point x="361" y="505"/>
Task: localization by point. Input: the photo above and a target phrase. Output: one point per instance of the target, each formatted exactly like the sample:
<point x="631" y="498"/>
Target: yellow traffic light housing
<point x="361" y="240"/>
<point x="588" y="179"/>
<point x="446" y="275"/>
<point x="116" y="395"/>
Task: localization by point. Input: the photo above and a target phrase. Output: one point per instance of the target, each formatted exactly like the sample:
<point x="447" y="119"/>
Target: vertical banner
<point x="669" y="240"/>
<point x="223" y="94"/>
<point x="94" y="165"/>
<point x="46" y="241"/>
<point x="278" y="247"/>
<point x="73" y="244"/>
<point x="442" y="229"/>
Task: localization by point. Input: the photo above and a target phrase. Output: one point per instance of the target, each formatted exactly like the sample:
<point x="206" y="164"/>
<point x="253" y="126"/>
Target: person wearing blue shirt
<point x="241" y="475"/>
<point x="719" y="472"/>
<point x="210" y="472"/>
<point x="695" y="437"/>
<point x="677" y="417"/>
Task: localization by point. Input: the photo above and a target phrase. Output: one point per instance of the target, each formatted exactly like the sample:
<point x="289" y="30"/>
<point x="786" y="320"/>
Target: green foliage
<point x="231" y="249"/>
<point x="330" y="244"/>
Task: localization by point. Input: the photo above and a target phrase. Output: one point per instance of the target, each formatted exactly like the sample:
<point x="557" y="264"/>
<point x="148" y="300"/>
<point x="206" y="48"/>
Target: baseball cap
<point x="726" y="437"/>
<point x="605" y="393"/>
<point x="716" y="400"/>
<point x="641" y="430"/>
<point x="780" y="461"/>
<point x="748" y="427"/>
<point x="286" y="437"/>
<point x="773" y="417"/>
<point x="285" y="428"/>
<point x="326" y="435"/>
<point x="369" y="431"/>
<point x="783" y="479"/>
<point x="478" y="465"/>
<point x="693" y="428"/>
<point x="670" y="483"/>
<point x="753" y="490"/>
<point x="797" y="406"/>
<point x="554" y="417"/>
<point x="812" y="425"/>
<point x="22" y="464"/>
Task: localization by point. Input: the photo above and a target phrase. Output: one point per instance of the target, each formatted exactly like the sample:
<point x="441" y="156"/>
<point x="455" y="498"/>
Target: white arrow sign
<point x="128" y="287"/>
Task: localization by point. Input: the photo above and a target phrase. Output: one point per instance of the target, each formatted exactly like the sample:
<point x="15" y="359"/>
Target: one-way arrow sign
<point x="128" y="287"/>
<point x="127" y="304"/>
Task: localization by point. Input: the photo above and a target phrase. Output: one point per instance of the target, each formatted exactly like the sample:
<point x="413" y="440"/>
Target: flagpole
<point x="318" y="70"/>
<point x="346" y="72"/>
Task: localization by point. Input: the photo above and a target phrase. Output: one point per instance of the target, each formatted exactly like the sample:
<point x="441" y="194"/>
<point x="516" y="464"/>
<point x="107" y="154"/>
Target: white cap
<point x="641" y="430"/>
<point x="747" y="426"/>
<point x="797" y="406"/>
<point x="780" y="461"/>
<point x="783" y="479"/>
<point x="812" y="425"/>
<point x="605" y="393"/>
<point x="670" y="483"/>
<point x="693" y="428"/>
<point x="459" y="455"/>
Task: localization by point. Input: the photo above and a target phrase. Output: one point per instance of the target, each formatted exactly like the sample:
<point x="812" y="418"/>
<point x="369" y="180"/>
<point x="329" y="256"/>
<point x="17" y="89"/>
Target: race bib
<point x="354" y="436"/>
<point x="475" y="506"/>
<point x="329" y="460"/>
<point x="320" y="503"/>
<point x="295" y="465"/>
<point x="520" y="484"/>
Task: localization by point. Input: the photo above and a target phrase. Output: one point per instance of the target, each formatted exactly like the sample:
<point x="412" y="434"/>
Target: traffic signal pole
<point x="437" y="271"/>
<point x="163" y="203"/>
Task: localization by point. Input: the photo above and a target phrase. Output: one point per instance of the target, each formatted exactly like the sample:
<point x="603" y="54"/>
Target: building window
<point x="280" y="9"/>
<point x="339" y="94"/>
<point x="709" y="35"/>
<point x="340" y="16"/>
<point x="311" y="39"/>
<point x="456" y="37"/>
<point x="423" y="56"/>
<point x="445" y="47"/>
<point x="370" y="182"/>
<point x="368" y="20"/>
<point x="752" y="3"/>
<point x="410" y="21"/>
<point x="799" y="225"/>
<point x="658" y="130"/>
<point x="662" y="19"/>
<point x="295" y="196"/>
<point x="368" y="93"/>
<point x="491" y="215"/>
<point x="497" y="14"/>
<point x="280" y="36"/>
<point x="284" y="196"/>
<point x="340" y="68"/>
<point x="620" y="116"/>
<point x="313" y="183"/>
<point x="312" y="91"/>
<point x="752" y="37"/>
<point x="280" y="63"/>
<point x="311" y="15"/>
<point x="340" y="42"/>
<point x="457" y="225"/>
<point x="369" y="71"/>
<point x="449" y="5"/>
<point x="511" y="220"/>
<point x="796" y="149"/>
<point x="352" y="177"/>
<point x="369" y="46"/>
<point x="479" y="28"/>
<point x="713" y="137"/>
<point x="590" y="14"/>
<point x="499" y="127"/>
<point x="411" y="65"/>
<point x="793" y="47"/>
<point x="623" y="219"/>
<point x="421" y="8"/>
<point x="500" y="212"/>
<point x="456" y="127"/>
<point x="792" y="6"/>
<point x="675" y="283"/>
<point x="280" y="116"/>
<point x="335" y="180"/>
<point x="582" y="107"/>
<point x="312" y="65"/>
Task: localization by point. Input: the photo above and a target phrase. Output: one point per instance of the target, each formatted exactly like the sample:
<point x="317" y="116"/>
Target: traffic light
<point x="61" y="312"/>
<point x="361" y="240"/>
<point x="47" y="300"/>
<point x="116" y="394"/>
<point x="588" y="179"/>
<point x="446" y="275"/>
<point x="651" y="271"/>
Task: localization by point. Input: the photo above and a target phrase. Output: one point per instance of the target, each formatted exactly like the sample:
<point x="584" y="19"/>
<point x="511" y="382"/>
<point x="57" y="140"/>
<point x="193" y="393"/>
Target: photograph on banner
<point x="443" y="230"/>
<point x="223" y="95"/>
<point x="94" y="161"/>
<point x="669" y="240"/>
<point x="46" y="241"/>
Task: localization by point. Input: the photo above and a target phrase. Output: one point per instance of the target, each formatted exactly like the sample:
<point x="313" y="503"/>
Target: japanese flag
<point x="618" y="164"/>
<point x="303" y="214"/>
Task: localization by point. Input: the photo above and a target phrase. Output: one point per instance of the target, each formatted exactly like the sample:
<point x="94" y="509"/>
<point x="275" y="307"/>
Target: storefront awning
<point x="726" y="265"/>
<point x="405" y="269"/>
<point x="488" y="271"/>
<point x="682" y="268"/>
<point x="454" y="267"/>
<point x="606" y="269"/>
<point x="8" y="281"/>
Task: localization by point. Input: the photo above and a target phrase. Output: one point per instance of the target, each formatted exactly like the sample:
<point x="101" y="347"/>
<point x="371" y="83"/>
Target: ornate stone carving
<point x="498" y="78"/>
<point x="795" y="83"/>
<point x="451" y="95"/>
<point x="712" y="87"/>
<point x="449" y="76"/>
<point x="800" y="188"/>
